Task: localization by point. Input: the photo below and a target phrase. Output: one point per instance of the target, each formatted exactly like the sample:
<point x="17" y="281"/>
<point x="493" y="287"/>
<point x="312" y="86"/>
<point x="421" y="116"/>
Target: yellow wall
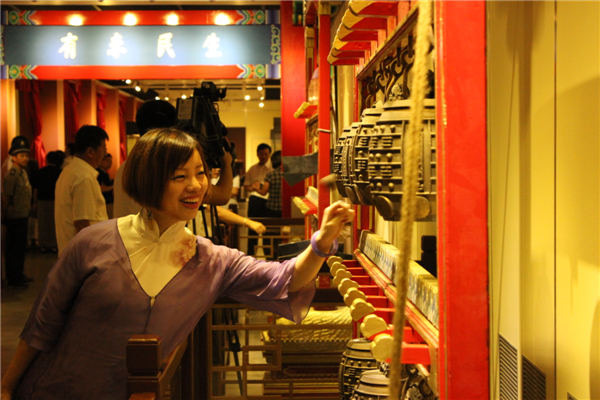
<point x="544" y="182"/>
<point x="578" y="199"/>
<point x="257" y="121"/>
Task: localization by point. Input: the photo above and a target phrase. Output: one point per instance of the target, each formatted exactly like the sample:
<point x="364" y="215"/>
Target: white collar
<point x="79" y="162"/>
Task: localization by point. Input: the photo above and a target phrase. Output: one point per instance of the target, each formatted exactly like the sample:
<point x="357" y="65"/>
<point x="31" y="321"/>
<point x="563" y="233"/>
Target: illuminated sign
<point x="141" y="45"/>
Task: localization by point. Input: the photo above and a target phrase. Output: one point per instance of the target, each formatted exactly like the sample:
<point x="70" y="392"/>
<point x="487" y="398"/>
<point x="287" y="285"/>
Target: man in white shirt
<point x="256" y="175"/>
<point x="78" y="199"/>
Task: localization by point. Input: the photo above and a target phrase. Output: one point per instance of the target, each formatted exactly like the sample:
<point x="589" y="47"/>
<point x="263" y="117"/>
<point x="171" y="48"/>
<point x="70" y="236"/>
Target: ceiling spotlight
<point x="157" y="98"/>
<point x="130" y="19"/>
<point x="247" y="97"/>
<point x="172" y="19"/>
<point x="76" y="20"/>
<point x="137" y="88"/>
<point x="222" y="19"/>
<point x="259" y="88"/>
<point x="261" y="104"/>
<point x="128" y="81"/>
<point x="183" y="96"/>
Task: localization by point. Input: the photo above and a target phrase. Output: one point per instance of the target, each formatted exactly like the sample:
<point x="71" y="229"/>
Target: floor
<point x="17" y="302"/>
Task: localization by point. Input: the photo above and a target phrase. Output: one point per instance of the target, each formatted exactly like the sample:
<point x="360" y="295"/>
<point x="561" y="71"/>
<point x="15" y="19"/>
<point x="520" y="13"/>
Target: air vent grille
<point x="508" y="365"/>
<point x="533" y="381"/>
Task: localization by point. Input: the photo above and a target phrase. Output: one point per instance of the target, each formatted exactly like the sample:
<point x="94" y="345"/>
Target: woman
<point x="146" y="273"/>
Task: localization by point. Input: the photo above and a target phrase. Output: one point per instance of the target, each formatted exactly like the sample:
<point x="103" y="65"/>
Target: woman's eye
<point x="200" y="173"/>
<point x="178" y="178"/>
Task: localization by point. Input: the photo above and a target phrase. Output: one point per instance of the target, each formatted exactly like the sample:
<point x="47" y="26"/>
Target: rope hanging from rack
<point x="408" y="206"/>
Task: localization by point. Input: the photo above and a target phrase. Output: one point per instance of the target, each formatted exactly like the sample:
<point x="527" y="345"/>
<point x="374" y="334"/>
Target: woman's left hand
<point x="335" y="217"/>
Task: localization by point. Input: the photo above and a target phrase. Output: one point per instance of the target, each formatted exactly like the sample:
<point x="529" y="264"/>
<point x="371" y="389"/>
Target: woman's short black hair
<point x="153" y="161"/>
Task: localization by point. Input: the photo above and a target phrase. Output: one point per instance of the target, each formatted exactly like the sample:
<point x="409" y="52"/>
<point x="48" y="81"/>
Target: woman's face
<point x="184" y="192"/>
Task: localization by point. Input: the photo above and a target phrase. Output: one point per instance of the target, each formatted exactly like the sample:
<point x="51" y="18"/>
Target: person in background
<point x="106" y="184"/>
<point x="230" y="217"/>
<point x="254" y="178"/>
<point x="44" y="183"/>
<point x="16" y="207"/>
<point x="146" y="273"/>
<point x="78" y="200"/>
<point x="272" y="187"/>
<point x="232" y="204"/>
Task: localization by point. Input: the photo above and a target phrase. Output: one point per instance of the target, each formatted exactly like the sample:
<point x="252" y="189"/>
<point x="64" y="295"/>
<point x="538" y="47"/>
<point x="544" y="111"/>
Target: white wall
<point x="257" y="121"/>
<point x="544" y="182"/>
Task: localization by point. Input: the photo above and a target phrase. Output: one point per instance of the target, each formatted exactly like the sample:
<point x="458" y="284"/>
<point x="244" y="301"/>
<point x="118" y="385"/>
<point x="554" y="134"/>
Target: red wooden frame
<point x="323" y="108"/>
<point x="462" y="200"/>
<point x="132" y="72"/>
<point x="144" y="17"/>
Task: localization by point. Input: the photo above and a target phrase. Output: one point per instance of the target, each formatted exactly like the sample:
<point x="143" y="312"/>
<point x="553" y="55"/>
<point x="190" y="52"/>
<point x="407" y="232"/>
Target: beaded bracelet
<point x="313" y="245"/>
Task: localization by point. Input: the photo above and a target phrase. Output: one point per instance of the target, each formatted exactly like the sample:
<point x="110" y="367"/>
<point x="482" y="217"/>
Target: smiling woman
<point x="166" y="174"/>
<point x="126" y="276"/>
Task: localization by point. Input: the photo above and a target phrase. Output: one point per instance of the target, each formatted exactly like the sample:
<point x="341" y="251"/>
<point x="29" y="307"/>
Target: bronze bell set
<point x="360" y="377"/>
<point x="369" y="158"/>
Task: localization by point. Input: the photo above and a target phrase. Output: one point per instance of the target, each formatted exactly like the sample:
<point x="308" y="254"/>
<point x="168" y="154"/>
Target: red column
<point x="293" y="93"/>
<point x="324" y="103"/>
<point x="462" y="203"/>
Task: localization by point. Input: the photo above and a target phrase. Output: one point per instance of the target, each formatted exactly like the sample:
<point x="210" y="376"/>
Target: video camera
<point x="199" y="117"/>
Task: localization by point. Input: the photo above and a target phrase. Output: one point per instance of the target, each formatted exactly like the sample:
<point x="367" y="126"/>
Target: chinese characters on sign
<point x="165" y="45"/>
<point x="212" y="44"/>
<point x="69" y="47"/>
<point x="116" y="46"/>
<point x="141" y="45"/>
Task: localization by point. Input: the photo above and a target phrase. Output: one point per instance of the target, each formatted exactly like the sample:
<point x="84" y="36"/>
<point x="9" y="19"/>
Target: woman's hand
<point x="256" y="226"/>
<point x="308" y="263"/>
<point x="335" y="217"/>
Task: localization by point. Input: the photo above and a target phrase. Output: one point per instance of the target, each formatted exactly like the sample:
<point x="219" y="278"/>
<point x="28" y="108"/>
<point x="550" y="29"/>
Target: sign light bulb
<point x="128" y="81"/>
<point x="156" y="98"/>
<point x="247" y="97"/>
<point x="137" y="88"/>
<point x="261" y="104"/>
<point x="130" y="19"/>
<point x="167" y="98"/>
<point x="172" y="19"/>
<point x="222" y="19"/>
<point x="259" y="88"/>
<point x="76" y="20"/>
<point x="183" y="96"/>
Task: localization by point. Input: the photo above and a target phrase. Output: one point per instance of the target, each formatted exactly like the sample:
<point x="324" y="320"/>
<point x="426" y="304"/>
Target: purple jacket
<point x="92" y="303"/>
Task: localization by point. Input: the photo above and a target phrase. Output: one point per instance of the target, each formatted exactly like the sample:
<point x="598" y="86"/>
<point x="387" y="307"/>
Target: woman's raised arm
<point x="309" y="262"/>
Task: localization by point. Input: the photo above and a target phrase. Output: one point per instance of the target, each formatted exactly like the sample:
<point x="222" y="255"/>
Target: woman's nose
<point x="196" y="183"/>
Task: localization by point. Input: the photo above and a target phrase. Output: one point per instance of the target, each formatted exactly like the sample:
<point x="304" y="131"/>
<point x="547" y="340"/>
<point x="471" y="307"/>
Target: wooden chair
<point x="149" y="377"/>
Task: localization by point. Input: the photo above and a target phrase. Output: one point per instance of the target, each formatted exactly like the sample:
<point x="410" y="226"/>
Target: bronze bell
<point x="338" y="160"/>
<point x="347" y="163"/>
<point x="386" y="159"/>
<point x="359" y="157"/>
<point x="372" y="385"/>
<point x="356" y="358"/>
